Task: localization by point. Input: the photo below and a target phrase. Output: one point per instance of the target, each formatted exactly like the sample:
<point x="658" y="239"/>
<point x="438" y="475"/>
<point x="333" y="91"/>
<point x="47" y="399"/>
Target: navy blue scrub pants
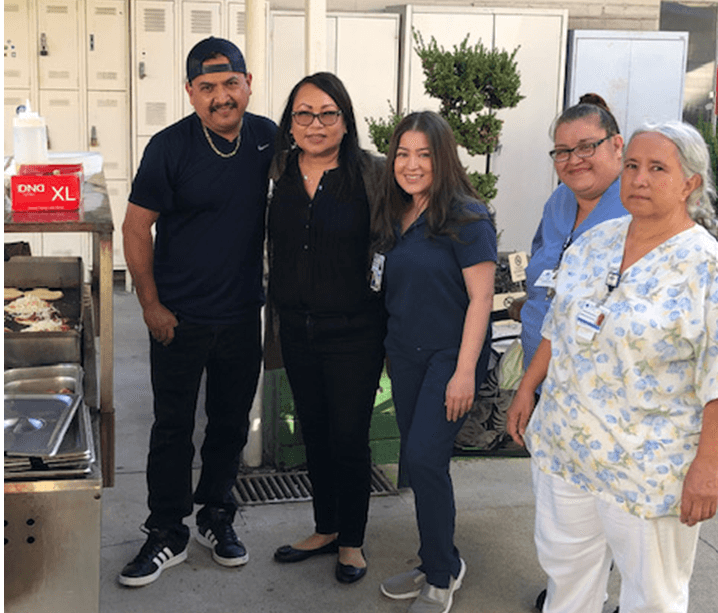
<point x="418" y="384"/>
<point x="231" y="355"/>
<point x="333" y="365"/>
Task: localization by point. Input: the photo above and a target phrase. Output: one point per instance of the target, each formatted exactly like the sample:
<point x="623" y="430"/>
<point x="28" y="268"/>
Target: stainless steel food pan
<point x="35" y="424"/>
<point x="55" y="379"/>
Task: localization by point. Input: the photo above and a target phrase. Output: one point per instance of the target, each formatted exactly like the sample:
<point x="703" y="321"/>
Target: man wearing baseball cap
<point x="202" y="184"/>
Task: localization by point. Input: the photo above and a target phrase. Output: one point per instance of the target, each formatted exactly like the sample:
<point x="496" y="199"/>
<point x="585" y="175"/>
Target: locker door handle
<point x="47" y="133"/>
<point x="93" y="137"/>
<point x="43" y="44"/>
<point x="143" y="72"/>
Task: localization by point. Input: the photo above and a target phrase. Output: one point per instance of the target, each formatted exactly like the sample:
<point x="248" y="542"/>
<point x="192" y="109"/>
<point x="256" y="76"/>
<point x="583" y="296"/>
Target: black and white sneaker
<point x="162" y="549"/>
<point x="215" y="531"/>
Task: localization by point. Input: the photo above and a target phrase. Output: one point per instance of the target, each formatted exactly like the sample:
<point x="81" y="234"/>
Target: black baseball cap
<point x="209" y="47"/>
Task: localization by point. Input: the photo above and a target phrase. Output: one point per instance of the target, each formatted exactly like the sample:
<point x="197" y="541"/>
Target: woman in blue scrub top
<point x="587" y="158"/>
<point x="439" y="245"/>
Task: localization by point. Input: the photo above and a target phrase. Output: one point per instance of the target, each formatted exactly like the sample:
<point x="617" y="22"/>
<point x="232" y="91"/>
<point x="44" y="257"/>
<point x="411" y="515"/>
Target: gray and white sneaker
<point x="434" y="599"/>
<point x="404" y="585"/>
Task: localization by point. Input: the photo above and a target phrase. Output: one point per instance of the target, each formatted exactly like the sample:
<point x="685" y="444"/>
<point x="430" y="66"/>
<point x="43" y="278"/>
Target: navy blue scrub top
<point x="426" y="297"/>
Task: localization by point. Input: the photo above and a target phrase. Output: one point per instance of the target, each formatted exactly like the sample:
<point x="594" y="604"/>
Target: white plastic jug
<point x="29" y="137"/>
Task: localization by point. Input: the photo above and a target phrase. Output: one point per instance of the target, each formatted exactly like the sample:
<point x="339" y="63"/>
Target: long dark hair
<point x="350" y="157"/>
<point x="450" y="189"/>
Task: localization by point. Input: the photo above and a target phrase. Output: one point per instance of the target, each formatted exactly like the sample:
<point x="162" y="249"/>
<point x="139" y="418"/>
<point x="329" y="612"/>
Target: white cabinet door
<point x="639" y="74"/>
<point x="199" y="21"/>
<point x="524" y="140"/>
<point x="58" y="36"/>
<point x="108" y="130"/>
<point x="107" y="35"/>
<point x="236" y="24"/>
<point x="156" y="67"/>
<point x="118" y="192"/>
<point x="370" y="90"/>
<point x="20" y="48"/>
<point x="63" y="116"/>
<point x="525" y="170"/>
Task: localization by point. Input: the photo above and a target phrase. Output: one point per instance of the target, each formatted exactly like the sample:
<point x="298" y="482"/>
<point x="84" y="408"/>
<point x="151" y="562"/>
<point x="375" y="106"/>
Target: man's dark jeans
<point x="231" y="356"/>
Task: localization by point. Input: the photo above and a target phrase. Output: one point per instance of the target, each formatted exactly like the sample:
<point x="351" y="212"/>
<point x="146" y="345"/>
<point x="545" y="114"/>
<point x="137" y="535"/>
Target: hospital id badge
<point x="377" y="271"/>
<point x="590" y="318"/>
<point x="547" y="278"/>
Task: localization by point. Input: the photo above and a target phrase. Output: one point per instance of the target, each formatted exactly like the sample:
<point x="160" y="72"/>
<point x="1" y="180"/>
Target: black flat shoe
<point x="346" y="573"/>
<point x="288" y="554"/>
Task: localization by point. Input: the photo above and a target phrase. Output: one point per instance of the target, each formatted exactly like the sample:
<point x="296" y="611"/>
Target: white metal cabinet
<point x="62" y="111"/>
<point x="199" y="20"/>
<point x="13" y="98"/>
<point x="59" y="45"/>
<point x="236" y="24"/>
<point x="108" y="125"/>
<point x="107" y="45"/>
<point x="18" y="44"/>
<point x="525" y="171"/>
<point x="154" y="67"/>
<point x="639" y="74"/>
<point x="349" y="55"/>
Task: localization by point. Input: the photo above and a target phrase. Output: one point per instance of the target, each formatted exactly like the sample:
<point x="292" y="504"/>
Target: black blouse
<point x="318" y="248"/>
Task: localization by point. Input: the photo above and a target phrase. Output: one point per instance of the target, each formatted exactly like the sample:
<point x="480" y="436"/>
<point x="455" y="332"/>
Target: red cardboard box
<point x="47" y="187"/>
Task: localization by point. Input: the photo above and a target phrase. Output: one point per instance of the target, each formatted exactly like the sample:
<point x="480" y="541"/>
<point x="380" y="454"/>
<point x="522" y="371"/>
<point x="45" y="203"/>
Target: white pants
<point x="577" y="535"/>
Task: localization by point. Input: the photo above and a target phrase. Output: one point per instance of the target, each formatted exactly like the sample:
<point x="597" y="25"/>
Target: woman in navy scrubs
<point x="439" y="245"/>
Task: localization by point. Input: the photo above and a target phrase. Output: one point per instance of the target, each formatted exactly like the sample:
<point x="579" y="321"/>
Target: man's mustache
<point x="216" y="107"/>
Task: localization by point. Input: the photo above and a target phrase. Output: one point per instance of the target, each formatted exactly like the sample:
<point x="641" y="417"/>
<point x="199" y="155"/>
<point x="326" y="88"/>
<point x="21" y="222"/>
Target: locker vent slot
<point x="241" y="23"/>
<point x="58" y="74"/>
<point x="12" y="8"/>
<point x="201" y="22"/>
<point x="154" y="20"/>
<point x="106" y="76"/>
<point x="109" y="102"/>
<point x="57" y="9"/>
<point x="15" y="74"/>
<point x="156" y="113"/>
<point x="293" y="486"/>
<point x="59" y="102"/>
<point x="106" y="10"/>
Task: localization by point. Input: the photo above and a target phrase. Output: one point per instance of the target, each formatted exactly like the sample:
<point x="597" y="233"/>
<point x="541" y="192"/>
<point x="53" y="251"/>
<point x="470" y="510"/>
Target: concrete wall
<point x="583" y="14"/>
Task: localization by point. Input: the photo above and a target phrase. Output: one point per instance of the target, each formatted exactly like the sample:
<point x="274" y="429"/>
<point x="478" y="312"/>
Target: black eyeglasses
<point x="584" y="150"/>
<point x="326" y="118"/>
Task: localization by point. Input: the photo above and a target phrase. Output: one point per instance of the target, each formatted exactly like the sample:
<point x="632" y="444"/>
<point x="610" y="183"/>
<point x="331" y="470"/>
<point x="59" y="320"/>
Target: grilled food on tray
<point x="33" y="312"/>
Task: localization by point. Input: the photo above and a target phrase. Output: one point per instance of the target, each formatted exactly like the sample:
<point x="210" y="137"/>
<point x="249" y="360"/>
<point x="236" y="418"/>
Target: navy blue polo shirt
<point x="426" y="296"/>
<point x="208" y="252"/>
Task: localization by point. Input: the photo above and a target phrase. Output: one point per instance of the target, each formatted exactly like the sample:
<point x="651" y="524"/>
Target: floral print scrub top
<point x="620" y="414"/>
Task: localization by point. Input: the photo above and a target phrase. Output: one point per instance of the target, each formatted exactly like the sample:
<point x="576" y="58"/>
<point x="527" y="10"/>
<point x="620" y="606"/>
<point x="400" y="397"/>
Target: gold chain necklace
<point x="214" y="148"/>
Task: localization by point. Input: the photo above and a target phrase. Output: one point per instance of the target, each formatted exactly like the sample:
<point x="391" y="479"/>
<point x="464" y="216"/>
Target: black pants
<point x="333" y="365"/>
<point x="231" y="355"/>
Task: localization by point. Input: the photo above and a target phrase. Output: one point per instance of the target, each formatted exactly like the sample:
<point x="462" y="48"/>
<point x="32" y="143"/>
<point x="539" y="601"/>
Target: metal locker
<point x="237" y="25"/>
<point x="155" y="70"/>
<point x="118" y="192"/>
<point x="107" y="130"/>
<point x="199" y="20"/>
<point x="106" y="42"/>
<point x="61" y="110"/>
<point x="19" y="47"/>
<point x="58" y="44"/>
<point x="524" y="138"/>
<point x="369" y="89"/>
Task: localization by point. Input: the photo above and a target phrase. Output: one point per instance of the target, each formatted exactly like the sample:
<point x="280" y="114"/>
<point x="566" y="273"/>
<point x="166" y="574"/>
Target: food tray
<point x="56" y="379"/>
<point x="24" y="349"/>
<point x="35" y="424"/>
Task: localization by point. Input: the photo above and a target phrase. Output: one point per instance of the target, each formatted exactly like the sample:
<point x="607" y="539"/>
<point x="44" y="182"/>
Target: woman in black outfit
<point x="331" y="323"/>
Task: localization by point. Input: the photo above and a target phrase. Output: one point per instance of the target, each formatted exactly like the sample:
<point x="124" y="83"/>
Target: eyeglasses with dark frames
<point x="326" y="118"/>
<point x="584" y="150"/>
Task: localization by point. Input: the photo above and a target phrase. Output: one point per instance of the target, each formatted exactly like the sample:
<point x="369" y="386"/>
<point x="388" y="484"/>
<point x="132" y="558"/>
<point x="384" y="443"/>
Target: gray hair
<point x="695" y="159"/>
